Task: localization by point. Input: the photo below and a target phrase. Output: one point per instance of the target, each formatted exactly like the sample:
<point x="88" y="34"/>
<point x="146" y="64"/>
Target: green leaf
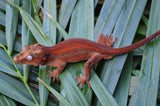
<point x="3" y="38"/>
<point x="145" y="20"/>
<point x="66" y="10"/>
<point x="48" y="27"/>
<point x="53" y="91"/>
<point x="11" y="24"/>
<point x="71" y="90"/>
<point x="1" y="45"/>
<point x="58" y="26"/>
<point x="136" y="72"/>
<point x="147" y="86"/>
<point x="106" y="22"/>
<point x="124" y="30"/>
<point x="13" y="89"/>
<point x="17" y="45"/>
<point x="95" y="2"/>
<point x="36" y="4"/>
<point x="36" y="30"/>
<point x="5" y="63"/>
<point x="5" y="101"/>
<point x="43" y="91"/>
<point x="3" y="5"/>
<point x="142" y="29"/>
<point x="103" y="95"/>
<point x="122" y="90"/>
<point x="6" y="68"/>
<point x="2" y="18"/>
<point x="82" y="20"/>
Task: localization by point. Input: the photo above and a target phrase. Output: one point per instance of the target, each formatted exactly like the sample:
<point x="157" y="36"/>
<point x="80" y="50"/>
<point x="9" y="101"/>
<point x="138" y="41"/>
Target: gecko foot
<point x="55" y="75"/>
<point x="109" y="41"/>
<point x="82" y="80"/>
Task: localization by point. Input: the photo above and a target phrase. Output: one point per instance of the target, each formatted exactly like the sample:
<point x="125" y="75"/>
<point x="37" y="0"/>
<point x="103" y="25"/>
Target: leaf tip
<point x="50" y="16"/>
<point x="40" y="80"/>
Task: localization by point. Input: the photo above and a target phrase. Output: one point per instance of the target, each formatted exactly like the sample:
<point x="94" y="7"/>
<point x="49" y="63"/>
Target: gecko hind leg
<point x="105" y="40"/>
<point x="93" y="60"/>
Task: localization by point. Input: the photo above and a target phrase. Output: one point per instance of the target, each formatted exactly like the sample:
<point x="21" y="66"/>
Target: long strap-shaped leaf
<point x="125" y="30"/>
<point x="123" y="87"/>
<point x="7" y="87"/>
<point x="59" y="97"/>
<point x="108" y="17"/>
<point x="11" y="24"/>
<point x="65" y="13"/>
<point x="147" y="86"/>
<point x="6" y="101"/>
<point x="36" y="30"/>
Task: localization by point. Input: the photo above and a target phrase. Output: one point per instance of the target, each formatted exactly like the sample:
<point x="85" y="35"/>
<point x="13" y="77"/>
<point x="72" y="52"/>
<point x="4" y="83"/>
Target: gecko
<point x="75" y="50"/>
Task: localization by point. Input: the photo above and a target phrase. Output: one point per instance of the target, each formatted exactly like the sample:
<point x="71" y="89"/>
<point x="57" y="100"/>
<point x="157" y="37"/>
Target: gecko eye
<point x="29" y="57"/>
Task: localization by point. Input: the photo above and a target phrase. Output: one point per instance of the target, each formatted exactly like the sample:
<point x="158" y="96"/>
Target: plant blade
<point x="147" y="86"/>
<point x="124" y="30"/>
<point x="66" y="10"/>
<point x="59" y="96"/>
<point x="103" y="95"/>
<point x="5" y="101"/>
<point x="8" y="87"/>
<point x="11" y="24"/>
<point x="123" y="86"/>
<point x="70" y="89"/>
<point x="106" y="22"/>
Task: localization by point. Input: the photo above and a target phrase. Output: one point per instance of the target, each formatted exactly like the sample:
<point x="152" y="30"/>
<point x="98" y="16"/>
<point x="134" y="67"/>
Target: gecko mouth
<point x="16" y="60"/>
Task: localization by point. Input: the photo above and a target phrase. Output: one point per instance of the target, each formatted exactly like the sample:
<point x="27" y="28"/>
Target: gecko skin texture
<point x="75" y="50"/>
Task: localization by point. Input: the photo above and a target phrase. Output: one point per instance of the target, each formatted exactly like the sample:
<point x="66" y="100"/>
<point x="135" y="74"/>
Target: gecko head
<point x="31" y="54"/>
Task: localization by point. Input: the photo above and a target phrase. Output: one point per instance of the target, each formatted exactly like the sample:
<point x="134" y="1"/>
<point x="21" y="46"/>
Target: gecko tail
<point x="118" y="51"/>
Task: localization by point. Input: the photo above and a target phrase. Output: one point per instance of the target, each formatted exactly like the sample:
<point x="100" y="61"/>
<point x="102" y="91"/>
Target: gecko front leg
<point x="55" y="73"/>
<point x="92" y="61"/>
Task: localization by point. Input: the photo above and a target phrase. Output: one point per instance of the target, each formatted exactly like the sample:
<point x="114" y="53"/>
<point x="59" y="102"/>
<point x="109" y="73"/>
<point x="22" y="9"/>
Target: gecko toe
<point x="77" y="77"/>
<point x="57" y="79"/>
<point x="82" y="85"/>
<point x="82" y="80"/>
<point x="49" y="75"/>
<point x="55" y="75"/>
<point x="78" y="82"/>
<point x="89" y="85"/>
<point x="53" y="80"/>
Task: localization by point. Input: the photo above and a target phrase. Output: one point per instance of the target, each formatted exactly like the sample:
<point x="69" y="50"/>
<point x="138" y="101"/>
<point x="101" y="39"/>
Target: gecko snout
<point x="15" y="59"/>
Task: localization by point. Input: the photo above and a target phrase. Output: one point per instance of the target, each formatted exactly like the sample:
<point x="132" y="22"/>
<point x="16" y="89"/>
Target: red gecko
<point x="75" y="50"/>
